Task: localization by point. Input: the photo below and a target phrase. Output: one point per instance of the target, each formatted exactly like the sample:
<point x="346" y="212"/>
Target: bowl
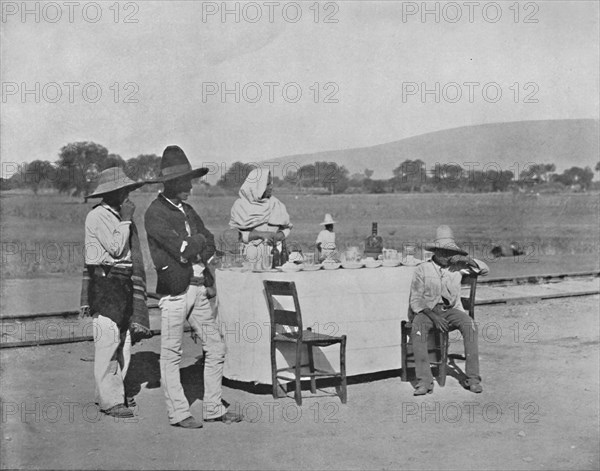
<point x="290" y="267"/>
<point x="331" y="265"/>
<point x="370" y="263"/>
<point x="311" y="267"/>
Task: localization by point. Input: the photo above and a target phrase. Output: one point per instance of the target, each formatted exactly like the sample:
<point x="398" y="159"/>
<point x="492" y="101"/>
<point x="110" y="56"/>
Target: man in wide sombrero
<point x="114" y="288"/>
<point x="181" y="247"/>
<point x="435" y="303"/>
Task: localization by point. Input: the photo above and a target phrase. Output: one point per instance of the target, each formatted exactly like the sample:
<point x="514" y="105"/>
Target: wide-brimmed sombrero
<point x="328" y="220"/>
<point x="113" y="179"/>
<point x="444" y="240"/>
<point x="175" y="164"/>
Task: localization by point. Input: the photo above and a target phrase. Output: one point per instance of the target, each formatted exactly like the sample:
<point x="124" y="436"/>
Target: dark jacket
<point x="165" y="227"/>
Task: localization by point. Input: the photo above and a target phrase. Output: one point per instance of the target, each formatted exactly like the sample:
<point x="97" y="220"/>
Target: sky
<point x="310" y="76"/>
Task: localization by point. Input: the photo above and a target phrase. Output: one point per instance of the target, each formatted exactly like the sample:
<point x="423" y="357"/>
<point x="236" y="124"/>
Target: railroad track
<point x="65" y="326"/>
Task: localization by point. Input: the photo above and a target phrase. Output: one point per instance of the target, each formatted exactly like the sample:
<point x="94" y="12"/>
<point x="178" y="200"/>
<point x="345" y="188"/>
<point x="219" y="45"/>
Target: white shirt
<point x="106" y="237"/>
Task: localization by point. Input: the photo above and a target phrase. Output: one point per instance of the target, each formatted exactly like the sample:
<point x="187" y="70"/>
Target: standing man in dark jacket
<point x="181" y="247"/>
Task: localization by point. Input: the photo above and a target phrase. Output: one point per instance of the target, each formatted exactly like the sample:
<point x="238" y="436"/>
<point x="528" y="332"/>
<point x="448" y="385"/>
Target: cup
<point x="309" y="259"/>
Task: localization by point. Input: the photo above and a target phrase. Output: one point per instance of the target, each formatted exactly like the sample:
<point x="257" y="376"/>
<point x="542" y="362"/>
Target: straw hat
<point x="113" y="179"/>
<point x="328" y="220"/>
<point x="444" y="240"/>
<point x="175" y="164"/>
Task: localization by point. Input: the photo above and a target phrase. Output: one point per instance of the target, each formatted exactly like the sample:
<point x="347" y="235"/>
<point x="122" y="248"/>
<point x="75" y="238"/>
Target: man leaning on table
<point x="435" y="302"/>
<point x="181" y="246"/>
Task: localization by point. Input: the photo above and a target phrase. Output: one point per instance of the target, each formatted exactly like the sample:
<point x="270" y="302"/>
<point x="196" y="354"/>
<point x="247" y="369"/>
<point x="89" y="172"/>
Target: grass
<point x="44" y="234"/>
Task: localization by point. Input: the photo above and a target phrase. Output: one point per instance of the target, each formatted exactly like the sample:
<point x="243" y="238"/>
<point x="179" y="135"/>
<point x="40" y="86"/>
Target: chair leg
<point x="404" y="351"/>
<point x="298" y="389"/>
<point x="343" y="392"/>
<point x="311" y="365"/>
<point x="274" y="371"/>
<point x="442" y="370"/>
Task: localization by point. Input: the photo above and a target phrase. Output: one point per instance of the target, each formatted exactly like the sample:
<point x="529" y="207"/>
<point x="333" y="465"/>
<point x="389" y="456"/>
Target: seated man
<point x="435" y="302"/>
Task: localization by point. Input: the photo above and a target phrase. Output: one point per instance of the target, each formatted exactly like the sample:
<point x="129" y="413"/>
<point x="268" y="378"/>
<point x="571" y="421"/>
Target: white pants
<point x="194" y="306"/>
<point x="111" y="361"/>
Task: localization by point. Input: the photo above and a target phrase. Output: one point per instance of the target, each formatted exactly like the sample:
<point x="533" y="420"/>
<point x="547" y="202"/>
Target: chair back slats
<point x="469" y="303"/>
<point x="282" y="316"/>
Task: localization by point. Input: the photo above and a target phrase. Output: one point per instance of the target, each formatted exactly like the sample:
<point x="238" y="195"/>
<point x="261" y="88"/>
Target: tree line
<point x="79" y="164"/>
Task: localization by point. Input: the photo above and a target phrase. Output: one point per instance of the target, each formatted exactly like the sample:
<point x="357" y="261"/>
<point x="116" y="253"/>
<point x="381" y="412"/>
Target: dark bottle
<point x="373" y="244"/>
<point x="279" y="256"/>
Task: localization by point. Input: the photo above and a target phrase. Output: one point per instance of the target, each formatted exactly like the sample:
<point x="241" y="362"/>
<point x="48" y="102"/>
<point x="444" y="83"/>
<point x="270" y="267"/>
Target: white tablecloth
<point x="367" y="305"/>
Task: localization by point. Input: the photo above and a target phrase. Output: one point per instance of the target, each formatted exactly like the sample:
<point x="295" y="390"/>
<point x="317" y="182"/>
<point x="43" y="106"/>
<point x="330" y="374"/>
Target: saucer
<point x="311" y="267"/>
<point x="391" y="263"/>
<point x="352" y="265"/>
<point x="332" y="266"/>
<point x="413" y="263"/>
<point x="373" y="264"/>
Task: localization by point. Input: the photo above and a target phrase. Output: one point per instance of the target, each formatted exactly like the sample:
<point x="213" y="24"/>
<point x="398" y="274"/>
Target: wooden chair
<point x="437" y="341"/>
<point x="299" y="337"/>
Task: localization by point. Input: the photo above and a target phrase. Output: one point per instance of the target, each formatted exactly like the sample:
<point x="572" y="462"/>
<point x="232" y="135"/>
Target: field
<point x="43" y="234"/>
<point x="539" y="408"/>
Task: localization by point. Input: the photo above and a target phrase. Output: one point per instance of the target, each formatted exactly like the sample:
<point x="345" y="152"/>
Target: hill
<point x="511" y="146"/>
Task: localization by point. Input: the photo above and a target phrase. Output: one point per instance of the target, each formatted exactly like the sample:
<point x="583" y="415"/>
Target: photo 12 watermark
<point x="437" y="412"/>
<point x="70" y="12"/>
<point x="270" y="92"/>
<point x="470" y="91"/>
<point x="285" y="411"/>
<point x="70" y="92"/>
<point x="270" y="12"/>
<point x="52" y="412"/>
<point x="470" y="12"/>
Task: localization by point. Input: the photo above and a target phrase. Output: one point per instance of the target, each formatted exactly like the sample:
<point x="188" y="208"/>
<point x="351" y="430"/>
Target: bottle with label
<point x="373" y="244"/>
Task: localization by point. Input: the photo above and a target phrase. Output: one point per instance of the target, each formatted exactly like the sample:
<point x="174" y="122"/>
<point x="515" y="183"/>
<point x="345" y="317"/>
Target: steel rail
<point x="500" y="282"/>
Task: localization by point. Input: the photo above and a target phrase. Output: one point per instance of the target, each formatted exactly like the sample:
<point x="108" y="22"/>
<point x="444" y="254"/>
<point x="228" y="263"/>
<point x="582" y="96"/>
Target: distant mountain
<point x="511" y="146"/>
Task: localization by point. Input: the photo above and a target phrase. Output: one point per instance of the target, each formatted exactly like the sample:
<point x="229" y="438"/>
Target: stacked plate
<point x="311" y="267"/>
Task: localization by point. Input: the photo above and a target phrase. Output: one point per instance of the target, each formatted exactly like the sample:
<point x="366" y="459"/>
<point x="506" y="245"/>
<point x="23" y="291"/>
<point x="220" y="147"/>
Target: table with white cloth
<point x="367" y="305"/>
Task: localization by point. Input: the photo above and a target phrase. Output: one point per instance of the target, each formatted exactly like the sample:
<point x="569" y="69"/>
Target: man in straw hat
<point x="181" y="247"/>
<point x="114" y="288"/>
<point x="435" y="302"/>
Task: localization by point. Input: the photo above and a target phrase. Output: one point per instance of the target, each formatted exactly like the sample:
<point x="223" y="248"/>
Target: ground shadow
<point x="192" y="380"/>
<point x="143" y="368"/>
<point x="260" y="388"/>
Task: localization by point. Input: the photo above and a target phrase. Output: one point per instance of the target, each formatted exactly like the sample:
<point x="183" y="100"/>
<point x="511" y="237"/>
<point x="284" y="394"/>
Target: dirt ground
<point x="539" y="409"/>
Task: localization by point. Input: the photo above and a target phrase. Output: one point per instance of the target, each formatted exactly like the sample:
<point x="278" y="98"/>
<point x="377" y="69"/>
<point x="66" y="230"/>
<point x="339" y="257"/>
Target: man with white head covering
<point x="435" y="302"/>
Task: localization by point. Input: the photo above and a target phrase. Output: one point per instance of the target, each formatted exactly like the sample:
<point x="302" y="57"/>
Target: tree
<point x="332" y="176"/>
<point x="143" y="167"/>
<point x="576" y="176"/>
<point x="38" y="174"/>
<point x="410" y="175"/>
<point x="538" y="173"/>
<point x="447" y="177"/>
<point x="236" y="175"/>
<point x="79" y="165"/>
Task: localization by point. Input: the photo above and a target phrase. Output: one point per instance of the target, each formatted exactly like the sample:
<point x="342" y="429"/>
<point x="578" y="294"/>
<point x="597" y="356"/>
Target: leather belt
<point x="197" y="280"/>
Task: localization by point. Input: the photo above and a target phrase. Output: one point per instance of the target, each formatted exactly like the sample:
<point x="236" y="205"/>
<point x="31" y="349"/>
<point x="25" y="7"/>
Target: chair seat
<point x="308" y="336"/>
